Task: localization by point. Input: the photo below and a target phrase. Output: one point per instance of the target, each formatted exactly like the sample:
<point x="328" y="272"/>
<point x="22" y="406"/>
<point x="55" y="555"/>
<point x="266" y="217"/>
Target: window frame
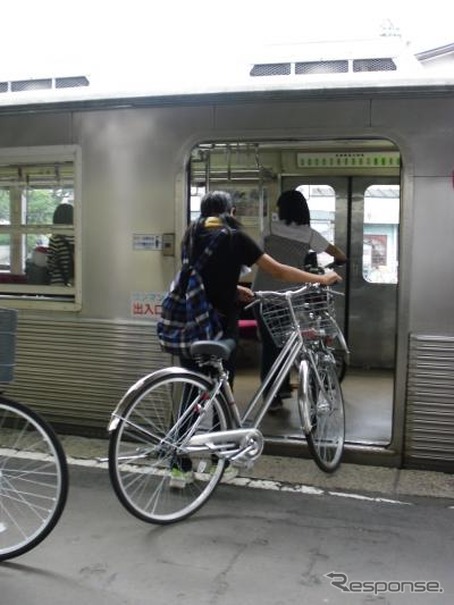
<point x="30" y="296"/>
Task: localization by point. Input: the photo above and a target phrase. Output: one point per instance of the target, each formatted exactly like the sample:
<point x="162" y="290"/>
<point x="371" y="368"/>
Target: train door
<point x="362" y="216"/>
<point x="359" y="213"/>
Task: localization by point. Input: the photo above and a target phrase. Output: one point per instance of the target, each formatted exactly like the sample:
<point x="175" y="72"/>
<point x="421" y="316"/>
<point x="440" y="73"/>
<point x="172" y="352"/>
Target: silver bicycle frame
<point x="257" y="408"/>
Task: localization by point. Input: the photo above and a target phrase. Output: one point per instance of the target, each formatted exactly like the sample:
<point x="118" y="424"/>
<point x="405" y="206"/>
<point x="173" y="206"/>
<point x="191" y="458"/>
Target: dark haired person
<point x="289" y="241"/>
<point x="60" y="256"/>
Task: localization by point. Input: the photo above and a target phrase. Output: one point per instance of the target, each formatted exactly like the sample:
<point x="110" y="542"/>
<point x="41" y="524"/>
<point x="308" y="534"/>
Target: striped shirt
<point x="60" y="260"/>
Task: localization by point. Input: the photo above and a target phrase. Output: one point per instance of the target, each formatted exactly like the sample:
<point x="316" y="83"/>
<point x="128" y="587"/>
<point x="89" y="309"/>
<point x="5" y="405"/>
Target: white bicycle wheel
<point x="147" y="447"/>
<point x="33" y="479"/>
<point x="321" y="406"/>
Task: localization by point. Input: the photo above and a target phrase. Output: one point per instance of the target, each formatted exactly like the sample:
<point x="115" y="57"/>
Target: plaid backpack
<point x="186" y="314"/>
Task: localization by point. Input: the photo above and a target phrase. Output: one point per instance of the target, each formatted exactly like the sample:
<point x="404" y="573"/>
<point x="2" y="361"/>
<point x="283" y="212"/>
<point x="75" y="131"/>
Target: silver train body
<point x="140" y="161"/>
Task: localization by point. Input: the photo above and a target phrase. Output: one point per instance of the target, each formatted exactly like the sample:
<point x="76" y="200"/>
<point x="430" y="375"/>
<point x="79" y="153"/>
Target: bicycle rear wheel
<point x="146" y="448"/>
<point x="321" y="406"/>
<point x="33" y="479"/>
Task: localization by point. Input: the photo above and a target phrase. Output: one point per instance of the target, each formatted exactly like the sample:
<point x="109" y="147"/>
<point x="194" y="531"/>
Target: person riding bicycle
<point x="290" y="240"/>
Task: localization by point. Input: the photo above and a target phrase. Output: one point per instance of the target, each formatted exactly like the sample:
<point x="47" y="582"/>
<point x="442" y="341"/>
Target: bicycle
<point x="33" y="467"/>
<point x="176" y="415"/>
<point x="335" y="338"/>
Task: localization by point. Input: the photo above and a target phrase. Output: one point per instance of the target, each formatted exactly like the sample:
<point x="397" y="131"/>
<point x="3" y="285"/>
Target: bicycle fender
<point x="142" y="384"/>
<point x="303" y="394"/>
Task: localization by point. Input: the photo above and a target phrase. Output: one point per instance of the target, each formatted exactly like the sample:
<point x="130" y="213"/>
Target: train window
<point x="321" y="200"/>
<point x="196" y="197"/>
<point x="36" y="219"/>
<point x="380" y="233"/>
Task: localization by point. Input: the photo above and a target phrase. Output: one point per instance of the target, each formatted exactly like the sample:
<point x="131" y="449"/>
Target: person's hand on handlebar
<point x="245" y="295"/>
<point x="329" y="278"/>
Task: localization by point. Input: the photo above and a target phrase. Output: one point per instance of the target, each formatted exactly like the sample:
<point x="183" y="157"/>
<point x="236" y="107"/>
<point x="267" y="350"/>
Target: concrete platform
<point x="277" y="471"/>
<point x="368" y="401"/>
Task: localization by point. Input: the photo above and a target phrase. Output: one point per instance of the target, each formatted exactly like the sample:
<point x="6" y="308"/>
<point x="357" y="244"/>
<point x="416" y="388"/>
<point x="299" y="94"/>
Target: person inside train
<point x="221" y="275"/>
<point x="292" y="241"/>
<point x="60" y="256"/>
<point x="222" y="272"/>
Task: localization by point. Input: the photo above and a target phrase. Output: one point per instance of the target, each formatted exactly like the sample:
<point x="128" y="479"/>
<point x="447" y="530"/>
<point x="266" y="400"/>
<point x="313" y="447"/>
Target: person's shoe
<point x="276" y="405"/>
<point x="285" y="393"/>
<point x="180" y="479"/>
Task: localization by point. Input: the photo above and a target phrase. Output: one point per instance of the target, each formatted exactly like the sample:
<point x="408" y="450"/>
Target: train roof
<point x="92" y="96"/>
<point x="328" y="70"/>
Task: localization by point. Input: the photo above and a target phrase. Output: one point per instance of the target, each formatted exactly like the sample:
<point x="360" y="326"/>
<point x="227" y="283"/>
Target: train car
<point x="374" y="158"/>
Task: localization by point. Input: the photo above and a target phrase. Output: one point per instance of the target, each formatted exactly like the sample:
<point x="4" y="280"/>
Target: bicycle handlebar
<point x="260" y="295"/>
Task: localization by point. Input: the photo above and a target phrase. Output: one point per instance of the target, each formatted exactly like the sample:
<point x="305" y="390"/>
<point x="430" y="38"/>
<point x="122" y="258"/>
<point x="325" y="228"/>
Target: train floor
<point x="368" y="396"/>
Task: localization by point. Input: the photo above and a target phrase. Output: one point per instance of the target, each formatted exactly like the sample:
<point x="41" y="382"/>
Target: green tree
<point x="4" y="215"/>
<point x="41" y="204"/>
<point x="4" y="206"/>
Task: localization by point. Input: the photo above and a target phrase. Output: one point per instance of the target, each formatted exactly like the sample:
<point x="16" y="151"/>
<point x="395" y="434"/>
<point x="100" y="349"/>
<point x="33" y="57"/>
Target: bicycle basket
<point x="8" y="321"/>
<point x="314" y="313"/>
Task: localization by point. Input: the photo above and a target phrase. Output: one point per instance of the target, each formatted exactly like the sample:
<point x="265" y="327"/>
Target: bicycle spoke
<point x="326" y="411"/>
<point x="33" y="479"/>
<point x="145" y="484"/>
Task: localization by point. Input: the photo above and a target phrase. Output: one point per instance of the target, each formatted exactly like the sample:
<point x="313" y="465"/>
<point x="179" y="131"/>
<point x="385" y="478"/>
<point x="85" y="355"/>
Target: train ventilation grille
<point x="44" y="84"/>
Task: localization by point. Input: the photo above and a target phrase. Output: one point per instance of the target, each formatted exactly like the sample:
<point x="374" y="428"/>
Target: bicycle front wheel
<point x="152" y="474"/>
<point x="341" y="363"/>
<point x="33" y="479"/>
<point x="321" y="406"/>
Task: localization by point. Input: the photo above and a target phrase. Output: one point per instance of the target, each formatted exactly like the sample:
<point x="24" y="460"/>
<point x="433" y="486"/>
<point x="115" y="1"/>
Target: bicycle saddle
<point x="216" y="348"/>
